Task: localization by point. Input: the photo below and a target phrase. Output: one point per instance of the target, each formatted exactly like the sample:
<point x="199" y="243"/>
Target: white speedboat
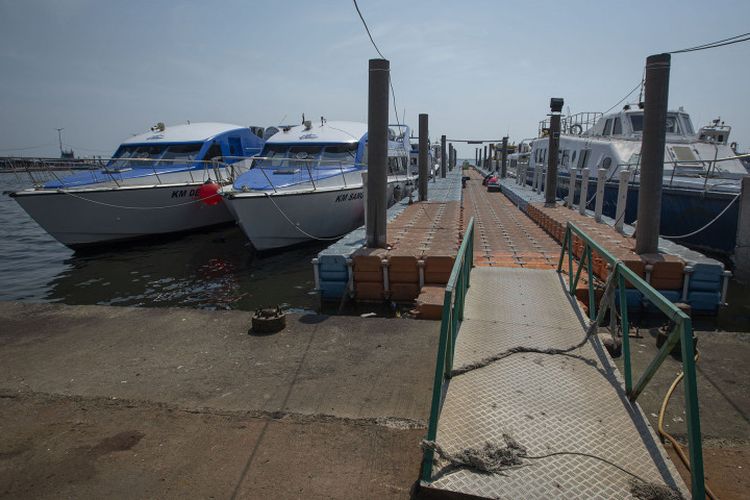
<point x="161" y="182"/>
<point x="701" y="171"/>
<point x="307" y="183"/>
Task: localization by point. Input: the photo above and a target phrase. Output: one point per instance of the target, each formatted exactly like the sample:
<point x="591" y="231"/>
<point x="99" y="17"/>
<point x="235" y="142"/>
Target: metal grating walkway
<point x="548" y="403"/>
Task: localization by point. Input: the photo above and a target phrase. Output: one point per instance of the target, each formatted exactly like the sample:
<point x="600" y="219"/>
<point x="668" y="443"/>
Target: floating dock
<point x="513" y="229"/>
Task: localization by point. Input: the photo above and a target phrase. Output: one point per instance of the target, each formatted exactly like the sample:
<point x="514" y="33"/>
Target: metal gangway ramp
<point x="577" y="433"/>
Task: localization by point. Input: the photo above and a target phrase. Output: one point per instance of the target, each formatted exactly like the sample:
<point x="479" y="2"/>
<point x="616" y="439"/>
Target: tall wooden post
<point x="504" y="158"/>
<point x="550" y="188"/>
<point x="652" y="153"/>
<point x="377" y="153"/>
<point x="443" y="157"/>
<point x="423" y="161"/>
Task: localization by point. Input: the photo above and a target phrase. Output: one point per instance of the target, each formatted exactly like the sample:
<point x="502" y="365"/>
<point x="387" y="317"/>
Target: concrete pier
<point x="113" y="402"/>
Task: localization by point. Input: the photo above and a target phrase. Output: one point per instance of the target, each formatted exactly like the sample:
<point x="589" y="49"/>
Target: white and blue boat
<point x="307" y="184"/>
<point x="701" y="171"/>
<point x="162" y="182"/>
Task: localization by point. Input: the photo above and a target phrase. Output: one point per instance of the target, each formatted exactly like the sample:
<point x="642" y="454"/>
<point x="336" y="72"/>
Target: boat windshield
<point x="677" y="123"/>
<point x="336" y="155"/>
<point x="303" y="156"/>
<point x="149" y="155"/>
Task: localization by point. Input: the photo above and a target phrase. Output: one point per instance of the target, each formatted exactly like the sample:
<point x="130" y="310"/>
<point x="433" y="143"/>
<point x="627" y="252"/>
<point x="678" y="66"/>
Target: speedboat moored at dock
<point x="307" y="183"/>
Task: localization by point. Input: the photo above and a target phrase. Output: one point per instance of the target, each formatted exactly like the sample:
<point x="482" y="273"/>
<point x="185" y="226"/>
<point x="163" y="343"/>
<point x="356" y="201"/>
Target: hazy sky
<point x="104" y="70"/>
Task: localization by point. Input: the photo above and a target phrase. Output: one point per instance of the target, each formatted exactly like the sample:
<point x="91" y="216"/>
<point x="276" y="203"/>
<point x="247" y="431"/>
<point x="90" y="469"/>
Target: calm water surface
<point x="215" y="269"/>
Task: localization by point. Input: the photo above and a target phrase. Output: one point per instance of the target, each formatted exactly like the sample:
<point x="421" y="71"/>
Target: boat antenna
<point x="303" y="118"/>
<point x="59" y="139"/>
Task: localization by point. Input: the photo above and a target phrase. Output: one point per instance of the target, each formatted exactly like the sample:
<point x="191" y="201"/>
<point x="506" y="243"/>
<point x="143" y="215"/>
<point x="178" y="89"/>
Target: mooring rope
<point x="493" y="458"/>
<point x="607" y="297"/>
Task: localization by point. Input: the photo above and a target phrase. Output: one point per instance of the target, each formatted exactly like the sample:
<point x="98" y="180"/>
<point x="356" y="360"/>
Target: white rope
<point x="270" y="197"/>
<point x="706" y="226"/>
<point x="125" y="207"/>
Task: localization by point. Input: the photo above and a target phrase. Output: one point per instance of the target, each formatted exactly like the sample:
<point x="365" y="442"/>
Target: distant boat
<point x="701" y="171"/>
<point x="161" y="182"/>
<point x="307" y="183"/>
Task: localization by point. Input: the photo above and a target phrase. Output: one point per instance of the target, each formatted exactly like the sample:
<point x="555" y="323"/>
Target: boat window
<point x="395" y="166"/>
<point x="213" y="152"/>
<point x="235" y="146"/>
<point x="182" y="152"/>
<point x="687" y="124"/>
<point x="673" y="126"/>
<point x="617" y="128"/>
<point x="636" y="122"/>
<point x="607" y="163"/>
<point x="143" y="156"/>
<point x="573" y="158"/>
<point x="583" y="158"/>
<point x="607" y="127"/>
<point x="338" y="154"/>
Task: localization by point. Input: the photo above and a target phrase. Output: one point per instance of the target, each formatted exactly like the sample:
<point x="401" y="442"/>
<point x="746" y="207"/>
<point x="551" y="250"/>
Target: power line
<point x="626" y="96"/>
<point x="390" y="81"/>
<point x="744" y="37"/>
<point x="28" y="147"/>
<point x="368" y="30"/>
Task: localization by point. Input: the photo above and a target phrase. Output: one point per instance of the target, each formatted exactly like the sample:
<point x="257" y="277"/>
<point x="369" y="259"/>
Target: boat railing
<point x="575" y="124"/>
<point x="705" y="169"/>
<point x="302" y="171"/>
<point x="114" y="171"/>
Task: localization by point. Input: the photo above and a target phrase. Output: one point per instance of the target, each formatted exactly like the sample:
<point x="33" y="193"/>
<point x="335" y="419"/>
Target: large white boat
<point x="701" y="171"/>
<point x="307" y="184"/>
<point x="161" y="182"/>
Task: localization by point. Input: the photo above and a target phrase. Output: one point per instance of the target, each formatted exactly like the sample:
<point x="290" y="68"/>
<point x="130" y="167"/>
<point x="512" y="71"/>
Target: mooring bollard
<point x="572" y="187"/>
<point x="584" y="191"/>
<point x="622" y="200"/>
<point x="601" y="179"/>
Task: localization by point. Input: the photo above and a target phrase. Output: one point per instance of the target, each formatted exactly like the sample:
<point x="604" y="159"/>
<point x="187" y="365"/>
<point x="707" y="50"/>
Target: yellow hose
<point x="664" y="434"/>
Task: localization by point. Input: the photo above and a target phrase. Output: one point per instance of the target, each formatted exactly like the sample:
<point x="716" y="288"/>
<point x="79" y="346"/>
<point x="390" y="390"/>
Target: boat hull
<point x="277" y="220"/>
<point x="683" y="211"/>
<point x="89" y="217"/>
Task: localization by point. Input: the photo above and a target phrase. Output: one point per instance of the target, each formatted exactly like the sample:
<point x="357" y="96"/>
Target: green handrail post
<point x="562" y="251"/>
<point x="453" y="310"/>
<point x="570" y="262"/>
<point x="625" y="331"/>
<point x="578" y="272"/>
<point x="592" y="294"/>
<point x="695" y="448"/>
<point x="437" y="391"/>
<point x="681" y="332"/>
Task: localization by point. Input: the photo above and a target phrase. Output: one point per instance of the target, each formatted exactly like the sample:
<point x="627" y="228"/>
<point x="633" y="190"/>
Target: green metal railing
<point x="453" y="314"/>
<point x="682" y="332"/>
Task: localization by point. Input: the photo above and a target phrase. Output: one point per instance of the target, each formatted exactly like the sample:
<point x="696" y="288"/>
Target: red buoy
<point x="208" y="193"/>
